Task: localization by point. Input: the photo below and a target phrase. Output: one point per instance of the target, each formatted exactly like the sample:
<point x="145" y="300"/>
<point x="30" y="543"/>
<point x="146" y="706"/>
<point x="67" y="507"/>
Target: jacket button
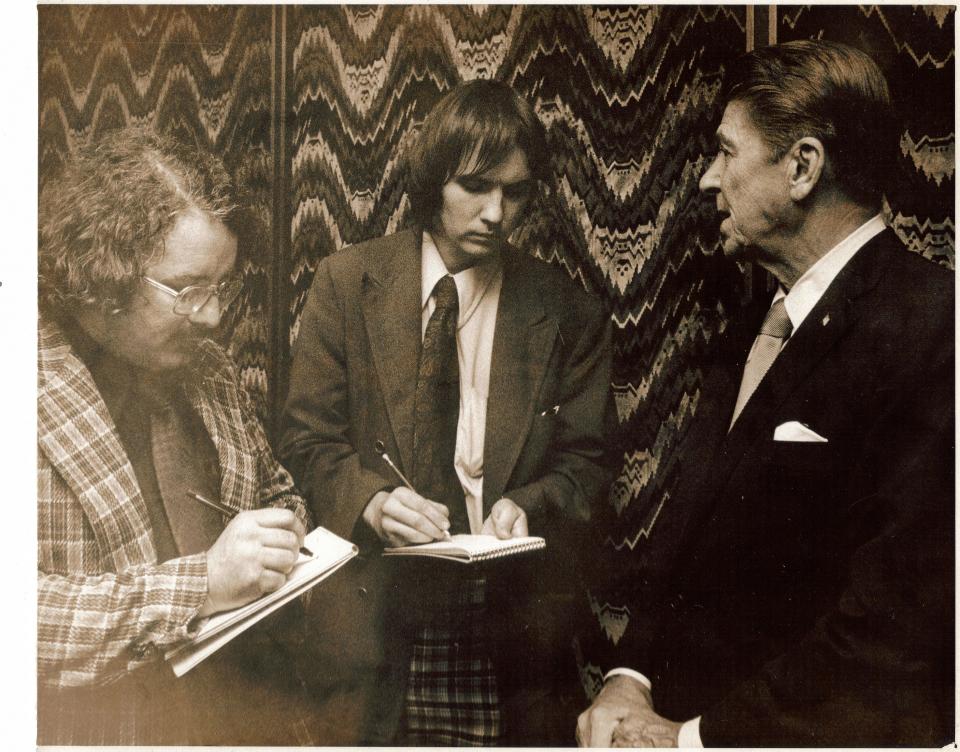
<point x="362" y="591"/>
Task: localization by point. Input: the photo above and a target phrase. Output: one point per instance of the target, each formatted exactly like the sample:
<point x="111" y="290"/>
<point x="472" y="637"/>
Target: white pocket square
<point x="795" y="431"/>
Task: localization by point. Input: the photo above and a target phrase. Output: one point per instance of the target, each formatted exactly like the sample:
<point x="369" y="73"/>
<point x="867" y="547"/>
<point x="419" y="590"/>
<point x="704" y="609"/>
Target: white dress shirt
<point x="803" y="296"/>
<point x="478" y="289"/>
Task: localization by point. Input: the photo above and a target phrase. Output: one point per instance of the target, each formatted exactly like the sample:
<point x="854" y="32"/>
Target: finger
<point x="278" y="559"/>
<point x="299" y="530"/>
<point x="278" y="537"/>
<point x="412" y="518"/>
<point x="272" y="517"/>
<point x="487" y="528"/>
<point x="503" y="519"/>
<point x="502" y="525"/>
<point x="399" y="534"/>
<point x="618" y="738"/>
<point x="601" y="729"/>
<point x="270" y="580"/>
<point x="520" y="528"/>
<point x="437" y="513"/>
<point x="582" y="734"/>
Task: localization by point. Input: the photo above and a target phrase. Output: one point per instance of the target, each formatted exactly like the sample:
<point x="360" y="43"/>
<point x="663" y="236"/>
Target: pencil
<point x="402" y="477"/>
<point x="230" y="513"/>
<point x="215" y="505"/>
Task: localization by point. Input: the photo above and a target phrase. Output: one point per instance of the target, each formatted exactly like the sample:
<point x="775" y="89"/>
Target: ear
<point x="807" y="163"/>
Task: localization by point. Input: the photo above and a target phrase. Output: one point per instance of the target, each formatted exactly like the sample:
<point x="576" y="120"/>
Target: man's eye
<point x="472" y="186"/>
<point x="518" y="190"/>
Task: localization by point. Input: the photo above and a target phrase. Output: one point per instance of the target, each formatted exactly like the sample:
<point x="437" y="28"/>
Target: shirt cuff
<point x="631" y="673"/>
<point x="689" y="735"/>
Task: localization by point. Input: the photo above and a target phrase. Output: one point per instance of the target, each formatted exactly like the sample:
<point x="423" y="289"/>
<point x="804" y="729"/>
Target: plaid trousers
<point x="451" y="696"/>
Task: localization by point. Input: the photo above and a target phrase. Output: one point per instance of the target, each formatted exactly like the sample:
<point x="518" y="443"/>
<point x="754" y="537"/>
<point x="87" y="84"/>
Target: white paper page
<point x="330" y="553"/>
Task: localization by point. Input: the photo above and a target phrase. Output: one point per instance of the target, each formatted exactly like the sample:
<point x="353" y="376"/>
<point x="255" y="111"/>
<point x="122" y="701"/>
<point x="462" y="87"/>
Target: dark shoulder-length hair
<point x="472" y="128"/>
<point x="827" y="90"/>
<point x="106" y="216"/>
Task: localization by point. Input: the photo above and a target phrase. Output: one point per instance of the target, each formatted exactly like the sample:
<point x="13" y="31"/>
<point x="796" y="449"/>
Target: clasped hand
<point x="402" y="517"/>
<point x="253" y="556"/>
<point x="622" y="715"/>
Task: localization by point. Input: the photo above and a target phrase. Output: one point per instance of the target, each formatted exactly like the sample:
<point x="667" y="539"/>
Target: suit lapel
<point x="826" y="323"/>
<point x="390" y="302"/>
<point x="522" y="344"/>
<point x="78" y="437"/>
<point x="704" y="442"/>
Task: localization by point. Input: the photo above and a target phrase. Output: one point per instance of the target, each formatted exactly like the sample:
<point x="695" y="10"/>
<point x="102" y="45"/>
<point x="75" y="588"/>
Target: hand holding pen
<point x="252" y="555"/>
<point x="402" y="516"/>
<point x="231" y="513"/>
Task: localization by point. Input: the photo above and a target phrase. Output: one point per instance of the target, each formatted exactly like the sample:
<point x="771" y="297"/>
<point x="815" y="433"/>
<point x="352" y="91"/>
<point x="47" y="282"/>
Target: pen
<point x="378" y="446"/>
<point x="230" y="513"/>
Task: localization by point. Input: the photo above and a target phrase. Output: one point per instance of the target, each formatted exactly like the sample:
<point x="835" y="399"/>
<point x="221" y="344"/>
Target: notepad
<point x="470" y="548"/>
<point x="330" y="552"/>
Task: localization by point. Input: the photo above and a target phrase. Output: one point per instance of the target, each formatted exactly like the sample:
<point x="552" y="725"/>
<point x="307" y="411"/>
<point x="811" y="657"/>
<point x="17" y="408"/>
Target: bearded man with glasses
<point x="138" y="408"/>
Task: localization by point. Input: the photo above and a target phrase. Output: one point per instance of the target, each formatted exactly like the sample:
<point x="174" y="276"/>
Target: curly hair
<point x="105" y="217"/>
<point x="474" y="126"/>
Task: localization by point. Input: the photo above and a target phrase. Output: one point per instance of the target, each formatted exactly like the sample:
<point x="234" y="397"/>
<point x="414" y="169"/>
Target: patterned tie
<point x="775" y="330"/>
<point x="184" y="459"/>
<point x="437" y="408"/>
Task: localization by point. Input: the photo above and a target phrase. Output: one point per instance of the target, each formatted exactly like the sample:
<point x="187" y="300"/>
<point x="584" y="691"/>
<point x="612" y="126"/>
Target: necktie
<point x="437" y="408"/>
<point x="775" y="330"/>
<point x="184" y="459"/>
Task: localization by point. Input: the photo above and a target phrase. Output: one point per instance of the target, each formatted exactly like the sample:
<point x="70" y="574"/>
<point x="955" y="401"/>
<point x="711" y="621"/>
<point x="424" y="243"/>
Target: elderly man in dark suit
<point x="804" y="592"/>
<point x="484" y="374"/>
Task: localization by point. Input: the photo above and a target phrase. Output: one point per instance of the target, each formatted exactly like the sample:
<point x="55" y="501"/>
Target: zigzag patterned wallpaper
<point x="312" y="106"/>
<point x="201" y="73"/>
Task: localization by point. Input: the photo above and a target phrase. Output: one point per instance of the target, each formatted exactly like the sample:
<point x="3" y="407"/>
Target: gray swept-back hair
<point x="829" y="91"/>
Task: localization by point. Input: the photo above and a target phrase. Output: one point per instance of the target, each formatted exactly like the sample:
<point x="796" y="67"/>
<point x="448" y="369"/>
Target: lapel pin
<point x="826" y="320"/>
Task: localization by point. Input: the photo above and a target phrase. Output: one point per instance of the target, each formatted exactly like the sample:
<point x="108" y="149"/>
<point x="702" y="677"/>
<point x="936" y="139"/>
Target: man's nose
<point x="492" y="212"/>
<point x="208" y="316"/>
<point x="711" y="178"/>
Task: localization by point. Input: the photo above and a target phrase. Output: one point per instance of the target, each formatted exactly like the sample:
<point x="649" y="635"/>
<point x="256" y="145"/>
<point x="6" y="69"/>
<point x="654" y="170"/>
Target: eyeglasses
<point x="191" y="299"/>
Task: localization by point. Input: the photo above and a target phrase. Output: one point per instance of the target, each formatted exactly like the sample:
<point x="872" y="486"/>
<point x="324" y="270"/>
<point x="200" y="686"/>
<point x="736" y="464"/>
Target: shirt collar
<point x="471" y="283"/>
<point x="811" y="286"/>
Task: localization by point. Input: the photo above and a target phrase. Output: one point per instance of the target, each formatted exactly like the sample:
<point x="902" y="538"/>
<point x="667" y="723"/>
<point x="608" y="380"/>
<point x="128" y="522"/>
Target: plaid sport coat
<point x="105" y="605"/>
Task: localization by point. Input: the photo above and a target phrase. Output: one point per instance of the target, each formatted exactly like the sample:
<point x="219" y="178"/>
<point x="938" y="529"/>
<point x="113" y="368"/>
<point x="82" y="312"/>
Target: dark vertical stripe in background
<point x="279" y="362"/>
<point x="761" y="31"/>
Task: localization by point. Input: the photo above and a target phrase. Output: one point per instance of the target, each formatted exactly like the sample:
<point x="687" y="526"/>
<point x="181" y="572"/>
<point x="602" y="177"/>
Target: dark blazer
<point x="806" y="590"/>
<point x="352" y="383"/>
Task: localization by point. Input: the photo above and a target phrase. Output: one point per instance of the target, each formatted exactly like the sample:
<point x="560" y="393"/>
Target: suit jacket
<point x="352" y="383"/>
<point x="805" y="595"/>
<point x="106" y="608"/>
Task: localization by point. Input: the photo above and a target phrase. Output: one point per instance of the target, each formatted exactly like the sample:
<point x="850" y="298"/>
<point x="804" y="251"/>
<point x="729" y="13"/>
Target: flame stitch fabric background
<point x="311" y="108"/>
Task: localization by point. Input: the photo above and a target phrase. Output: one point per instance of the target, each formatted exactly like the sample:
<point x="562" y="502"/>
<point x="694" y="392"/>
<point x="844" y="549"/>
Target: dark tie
<point x="185" y="459"/>
<point x="775" y="330"/>
<point x="437" y="408"/>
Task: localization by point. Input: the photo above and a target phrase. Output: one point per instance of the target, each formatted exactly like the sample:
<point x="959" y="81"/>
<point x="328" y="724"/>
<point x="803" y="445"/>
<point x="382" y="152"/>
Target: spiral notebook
<point x="330" y="552"/>
<point x="469" y="548"/>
